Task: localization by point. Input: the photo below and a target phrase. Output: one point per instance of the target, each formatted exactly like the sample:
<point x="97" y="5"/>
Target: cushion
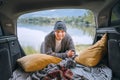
<point x="93" y="54"/>
<point x="36" y="62"/>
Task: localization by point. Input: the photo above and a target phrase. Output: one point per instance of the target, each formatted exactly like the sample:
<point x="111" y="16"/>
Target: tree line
<point x="85" y="20"/>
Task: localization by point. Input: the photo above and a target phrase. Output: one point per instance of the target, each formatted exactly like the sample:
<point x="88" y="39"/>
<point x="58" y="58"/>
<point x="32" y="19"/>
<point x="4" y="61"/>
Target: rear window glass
<point x="33" y="27"/>
<point x="115" y="17"/>
<point x="1" y="31"/>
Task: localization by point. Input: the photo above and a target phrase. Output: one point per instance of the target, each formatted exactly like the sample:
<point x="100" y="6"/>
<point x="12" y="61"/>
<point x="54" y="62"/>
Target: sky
<point x="56" y="13"/>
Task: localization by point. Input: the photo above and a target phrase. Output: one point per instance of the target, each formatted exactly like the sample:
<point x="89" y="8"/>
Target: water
<point x="33" y="35"/>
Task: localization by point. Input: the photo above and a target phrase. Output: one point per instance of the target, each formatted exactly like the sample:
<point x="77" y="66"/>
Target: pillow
<point x="93" y="54"/>
<point x="36" y="62"/>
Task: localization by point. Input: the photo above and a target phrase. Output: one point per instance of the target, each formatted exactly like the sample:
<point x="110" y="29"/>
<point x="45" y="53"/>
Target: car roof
<point x="17" y="7"/>
<point x="12" y="9"/>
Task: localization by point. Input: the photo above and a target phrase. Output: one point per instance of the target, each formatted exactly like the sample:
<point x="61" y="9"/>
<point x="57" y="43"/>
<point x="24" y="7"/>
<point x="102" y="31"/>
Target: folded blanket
<point x="100" y="72"/>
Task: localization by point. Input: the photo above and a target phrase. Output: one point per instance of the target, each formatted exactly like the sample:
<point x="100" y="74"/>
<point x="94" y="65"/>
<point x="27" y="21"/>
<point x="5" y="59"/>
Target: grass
<point x="30" y="50"/>
<point x="81" y="47"/>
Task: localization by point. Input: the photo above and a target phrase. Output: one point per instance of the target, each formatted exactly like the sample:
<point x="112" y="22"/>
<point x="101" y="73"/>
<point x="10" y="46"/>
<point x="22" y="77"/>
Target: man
<point x="59" y="43"/>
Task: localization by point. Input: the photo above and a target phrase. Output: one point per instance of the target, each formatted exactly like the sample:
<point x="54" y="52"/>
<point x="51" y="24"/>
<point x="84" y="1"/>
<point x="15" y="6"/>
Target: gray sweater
<point x="66" y="44"/>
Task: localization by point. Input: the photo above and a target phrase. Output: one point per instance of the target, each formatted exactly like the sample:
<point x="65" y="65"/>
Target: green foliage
<point x="29" y="50"/>
<point x="87" y="18"/>
<point x="81" y="47"/>
<point x="114" y="17"/>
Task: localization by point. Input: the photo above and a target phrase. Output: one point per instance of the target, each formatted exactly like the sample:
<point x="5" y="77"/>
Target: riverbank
<point x="30" y="50"/>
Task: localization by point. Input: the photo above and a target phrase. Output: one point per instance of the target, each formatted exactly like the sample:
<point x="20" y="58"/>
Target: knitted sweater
<point x="66" y="44"/>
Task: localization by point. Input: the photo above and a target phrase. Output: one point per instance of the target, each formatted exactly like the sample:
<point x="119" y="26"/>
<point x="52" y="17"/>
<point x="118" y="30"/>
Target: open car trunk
<point x="10" y="49"/>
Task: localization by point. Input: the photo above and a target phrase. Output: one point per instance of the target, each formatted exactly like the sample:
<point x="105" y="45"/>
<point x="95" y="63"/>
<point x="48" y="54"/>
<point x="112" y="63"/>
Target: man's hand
<point x="70" y="53"/>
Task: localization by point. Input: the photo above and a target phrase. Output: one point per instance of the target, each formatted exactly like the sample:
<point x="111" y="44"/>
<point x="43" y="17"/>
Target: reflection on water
<point x="33" y="35"/>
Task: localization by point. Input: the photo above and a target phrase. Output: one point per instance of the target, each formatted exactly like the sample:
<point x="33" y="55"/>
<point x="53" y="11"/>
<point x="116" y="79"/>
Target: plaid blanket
<point x="60" y="71"/>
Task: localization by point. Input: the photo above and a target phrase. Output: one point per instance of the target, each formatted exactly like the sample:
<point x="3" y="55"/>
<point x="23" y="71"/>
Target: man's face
<point x="60" y="34"/>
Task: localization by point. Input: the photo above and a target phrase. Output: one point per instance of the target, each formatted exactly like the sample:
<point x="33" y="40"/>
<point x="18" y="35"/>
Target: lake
<point x="33" y="35"/>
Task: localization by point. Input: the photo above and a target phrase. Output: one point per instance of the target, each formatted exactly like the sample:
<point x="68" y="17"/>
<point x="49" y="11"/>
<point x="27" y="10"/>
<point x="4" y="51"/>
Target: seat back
<point x="5" y="64"/>
<point x="114" y="56"/>
<point x="10" y="51"/>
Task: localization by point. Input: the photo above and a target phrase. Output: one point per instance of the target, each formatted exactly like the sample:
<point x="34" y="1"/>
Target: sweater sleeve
<point x="70" y="44"/>
<point x="48" y="46"/>
<point x="61" y="55"/>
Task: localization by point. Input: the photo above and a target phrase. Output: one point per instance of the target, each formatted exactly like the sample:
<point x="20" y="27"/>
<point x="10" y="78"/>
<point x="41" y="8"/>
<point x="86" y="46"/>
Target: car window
<point x="33" y="27"/>
<point x="1" y="31"/>
<point x="115" y="17"/>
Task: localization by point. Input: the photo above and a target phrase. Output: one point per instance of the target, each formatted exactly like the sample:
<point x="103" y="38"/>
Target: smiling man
<point x="59" y="43"/>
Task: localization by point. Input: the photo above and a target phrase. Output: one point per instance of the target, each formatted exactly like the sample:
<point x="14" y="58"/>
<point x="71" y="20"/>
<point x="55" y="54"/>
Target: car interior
<point x="107" y="20"/>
